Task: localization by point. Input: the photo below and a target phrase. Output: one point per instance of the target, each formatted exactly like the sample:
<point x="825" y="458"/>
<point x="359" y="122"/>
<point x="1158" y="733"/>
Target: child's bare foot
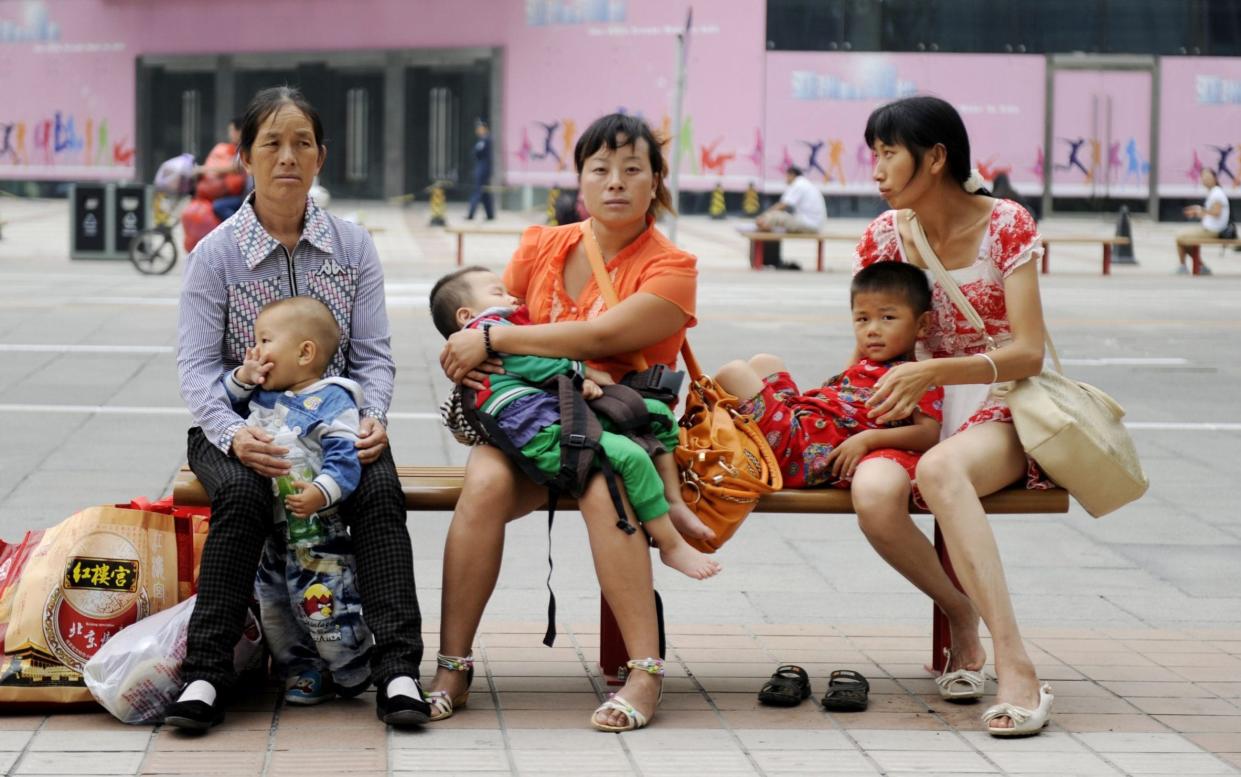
<point x="688" y="524"/>
<point x="683" y="558"/>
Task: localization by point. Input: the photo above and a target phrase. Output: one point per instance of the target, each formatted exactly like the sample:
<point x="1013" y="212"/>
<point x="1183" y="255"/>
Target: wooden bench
<point x="462" y="231"/>
<point x="436" y="489"/>
<point x="757" y="238"/>
<point x="1106" y="241"/>
<point x="1195" y="248"/>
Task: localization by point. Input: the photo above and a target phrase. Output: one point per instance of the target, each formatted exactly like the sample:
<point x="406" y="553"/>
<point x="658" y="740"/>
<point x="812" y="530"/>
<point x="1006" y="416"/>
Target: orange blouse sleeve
<point x="674" y="277"/>
<point x="521" y="267"/>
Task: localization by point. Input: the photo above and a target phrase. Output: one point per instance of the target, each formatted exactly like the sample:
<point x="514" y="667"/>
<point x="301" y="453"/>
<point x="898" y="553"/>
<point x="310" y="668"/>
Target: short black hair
<point x="894" y="278"/>
<point x="793" y="170"/>
<point x="268" y="101"/>
<point x="448" y="295"/>
<point x="620" y="129"/>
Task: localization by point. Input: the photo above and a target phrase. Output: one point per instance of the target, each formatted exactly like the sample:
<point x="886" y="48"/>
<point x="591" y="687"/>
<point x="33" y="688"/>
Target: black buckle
<point x="577" y="441"/>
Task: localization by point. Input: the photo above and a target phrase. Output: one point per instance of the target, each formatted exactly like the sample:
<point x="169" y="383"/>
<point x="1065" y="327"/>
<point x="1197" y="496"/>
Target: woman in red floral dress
<point x="991" y="248"/>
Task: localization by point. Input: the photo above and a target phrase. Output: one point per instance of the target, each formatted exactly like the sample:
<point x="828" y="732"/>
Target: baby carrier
<point x="580" y="431"/>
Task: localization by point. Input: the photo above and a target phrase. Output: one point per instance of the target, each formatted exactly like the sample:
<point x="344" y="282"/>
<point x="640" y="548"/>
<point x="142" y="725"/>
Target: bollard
<point x="553" y="194"/>
<point x="749" y="203"/>
<point x="717" y="202"/>
<point x="437" y="205"/>
<point x="1123" y="253"/>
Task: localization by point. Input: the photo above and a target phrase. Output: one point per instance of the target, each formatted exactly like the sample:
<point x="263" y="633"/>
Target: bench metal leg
<point x="1107" y="258"/>
<point x="612" y="653"/>
<point x="756" y="255"/>
<point x="941" y="634"/>
<point x="1046" y="258"/>
<point x="1195" y="253"/>
<point x="820" y="261"/>
<point x="460" y="248"/>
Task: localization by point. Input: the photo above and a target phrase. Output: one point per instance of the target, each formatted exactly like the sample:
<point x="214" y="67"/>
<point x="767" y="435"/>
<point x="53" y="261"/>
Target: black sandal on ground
<point x="846" y="692"/>
<point x="787" y="687"/>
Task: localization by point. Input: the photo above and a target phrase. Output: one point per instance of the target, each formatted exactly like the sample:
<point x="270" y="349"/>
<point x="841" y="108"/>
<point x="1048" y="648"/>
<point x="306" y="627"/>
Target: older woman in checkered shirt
<point x="278" y="245"/>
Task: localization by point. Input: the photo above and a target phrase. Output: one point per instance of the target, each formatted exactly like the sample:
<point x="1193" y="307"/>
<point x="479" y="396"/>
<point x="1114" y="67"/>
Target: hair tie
<point x="974" y="182"/>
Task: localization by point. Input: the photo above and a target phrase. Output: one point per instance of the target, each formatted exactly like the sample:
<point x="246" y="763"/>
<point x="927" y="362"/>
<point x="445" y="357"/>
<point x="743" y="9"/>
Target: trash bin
<point x="106" y="217"/>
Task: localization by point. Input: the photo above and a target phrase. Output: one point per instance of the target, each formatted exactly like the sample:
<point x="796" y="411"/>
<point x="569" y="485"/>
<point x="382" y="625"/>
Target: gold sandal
<point x="633" y="718"/>
<point x="443" y="705"/>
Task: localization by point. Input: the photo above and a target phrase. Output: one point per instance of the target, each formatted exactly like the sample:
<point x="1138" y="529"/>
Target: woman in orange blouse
<point x="621" y="174"/>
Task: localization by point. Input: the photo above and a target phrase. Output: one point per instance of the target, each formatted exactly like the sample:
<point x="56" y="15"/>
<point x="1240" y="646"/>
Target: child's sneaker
<point x="309" y="687"/>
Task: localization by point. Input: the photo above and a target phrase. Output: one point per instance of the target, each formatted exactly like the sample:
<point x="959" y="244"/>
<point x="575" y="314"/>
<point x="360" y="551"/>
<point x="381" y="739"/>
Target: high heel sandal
<point x="443" y="705"/>
<point x="633" y="718"/>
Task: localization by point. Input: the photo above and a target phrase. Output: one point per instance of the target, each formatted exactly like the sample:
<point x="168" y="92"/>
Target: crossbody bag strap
<point x="604" y="282"/>
<point x="953" y="289"/>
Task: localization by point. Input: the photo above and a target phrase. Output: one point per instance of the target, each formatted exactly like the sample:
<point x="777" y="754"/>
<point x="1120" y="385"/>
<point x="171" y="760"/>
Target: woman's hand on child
<point x="844" y="458"/>
<point x="591" y="390"/>
<point x="308" y="500"/>
<point x="464" y="359"/>
<point x="253" y="371"/>
<point x="899" y="390"/>
<point x="372" y="437"/>
<point x="254" y="448"/>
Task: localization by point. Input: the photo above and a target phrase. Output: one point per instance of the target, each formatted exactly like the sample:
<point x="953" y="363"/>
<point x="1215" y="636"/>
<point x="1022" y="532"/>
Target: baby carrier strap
<point x="627" y="411"/>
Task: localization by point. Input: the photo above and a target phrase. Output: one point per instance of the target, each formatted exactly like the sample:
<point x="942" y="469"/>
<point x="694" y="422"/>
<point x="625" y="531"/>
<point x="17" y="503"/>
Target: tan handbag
<point x="1072" y="430"/>
<point x="723" y="457"/>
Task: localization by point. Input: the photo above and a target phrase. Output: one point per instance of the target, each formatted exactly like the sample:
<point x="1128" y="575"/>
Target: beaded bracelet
<point x="491" y="352"/>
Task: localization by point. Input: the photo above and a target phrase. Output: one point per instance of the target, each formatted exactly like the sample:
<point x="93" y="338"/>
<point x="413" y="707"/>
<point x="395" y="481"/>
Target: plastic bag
<point x="137" y="674"/>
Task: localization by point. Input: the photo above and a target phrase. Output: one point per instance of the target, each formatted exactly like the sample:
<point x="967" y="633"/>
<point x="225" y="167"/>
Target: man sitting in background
<point x="800" y="209"/>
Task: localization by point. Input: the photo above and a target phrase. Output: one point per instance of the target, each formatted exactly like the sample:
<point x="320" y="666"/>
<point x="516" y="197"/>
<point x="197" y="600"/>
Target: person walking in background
<point x="482" y="172"/>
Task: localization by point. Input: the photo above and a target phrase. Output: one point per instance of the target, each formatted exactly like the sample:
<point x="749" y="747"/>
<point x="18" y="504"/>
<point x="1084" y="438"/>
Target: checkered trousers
<point x="241" y="521"/>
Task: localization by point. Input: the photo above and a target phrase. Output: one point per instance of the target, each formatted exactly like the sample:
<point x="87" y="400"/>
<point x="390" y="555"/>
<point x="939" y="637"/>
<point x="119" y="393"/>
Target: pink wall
<point x="1101" y="134"/>
<point x="818" y="103"/>
<point x="560" y="77"/>
<point x="1200" y="114"/>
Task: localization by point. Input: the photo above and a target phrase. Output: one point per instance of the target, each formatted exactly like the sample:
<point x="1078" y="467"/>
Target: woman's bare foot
<point x="641" y="692"/>
<point x="688" y="524"/>
<point x="967" y="648"/>
<point x="1018" y="685"/>
<point x="683" y="558"/>
<point x="450" y="681"/>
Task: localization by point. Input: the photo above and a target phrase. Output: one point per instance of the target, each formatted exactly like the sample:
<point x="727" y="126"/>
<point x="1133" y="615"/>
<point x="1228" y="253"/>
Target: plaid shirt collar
<point x="256" y="244"/>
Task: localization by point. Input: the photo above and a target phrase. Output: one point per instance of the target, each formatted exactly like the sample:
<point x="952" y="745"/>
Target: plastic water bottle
<point x="303" y="531"/>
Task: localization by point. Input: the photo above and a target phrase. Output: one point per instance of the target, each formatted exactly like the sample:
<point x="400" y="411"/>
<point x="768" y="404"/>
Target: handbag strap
<point x="953" y="290"/>
<point x="604" y="282"/>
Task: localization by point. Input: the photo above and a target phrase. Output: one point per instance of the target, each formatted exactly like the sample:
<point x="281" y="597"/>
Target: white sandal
<point x="443" y="705"/>
<point x="633" y="718"/>
<point x="960" y="684"/>
<point x="1025" y="722"/>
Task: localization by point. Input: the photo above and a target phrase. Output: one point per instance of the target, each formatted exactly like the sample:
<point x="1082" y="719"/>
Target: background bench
<point x="757" y="238"/>
<point x="435" y="489"/>
<point x="1107" y="241"/>
<point x="463" y="230"/>
<point x="1195" y="248"/>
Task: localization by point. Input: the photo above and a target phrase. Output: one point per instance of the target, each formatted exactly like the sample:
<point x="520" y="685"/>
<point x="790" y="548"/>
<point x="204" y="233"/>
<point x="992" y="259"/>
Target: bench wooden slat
<point x="437" y="489"/>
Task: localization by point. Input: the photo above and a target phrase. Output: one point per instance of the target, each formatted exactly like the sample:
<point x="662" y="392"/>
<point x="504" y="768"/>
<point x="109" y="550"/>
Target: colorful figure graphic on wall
<point x="863" y="162"/>
<point x="567" y="137"/>
<point x="525" y="150"/>
<point x="1194" y="173"/>
<point x="756" y="153"/>
<point x="548" y="150"/>
<point x="712" y="161"/>
<point x="812" y="161"/>
<point x="1114" y="162"/>
<point x="1075" y="147"/>
<point x="989" y="169"/>
<point x="1221" y="168"/>
<point x="1037" y="167"/>
<point x="835" y="160"/>
<point x="1137" y="167"/>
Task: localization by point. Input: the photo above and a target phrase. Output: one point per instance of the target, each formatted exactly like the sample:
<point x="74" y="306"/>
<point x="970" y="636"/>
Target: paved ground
<point x="1135" y="619"/>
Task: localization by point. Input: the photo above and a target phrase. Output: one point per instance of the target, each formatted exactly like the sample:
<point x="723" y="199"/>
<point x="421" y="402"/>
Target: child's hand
<point x="307" y="501"/>
<point x="600" y="377"/>
<point x="591" y="390"/>
<point x="253" y="371"/>
<point x="844" y="458"/>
